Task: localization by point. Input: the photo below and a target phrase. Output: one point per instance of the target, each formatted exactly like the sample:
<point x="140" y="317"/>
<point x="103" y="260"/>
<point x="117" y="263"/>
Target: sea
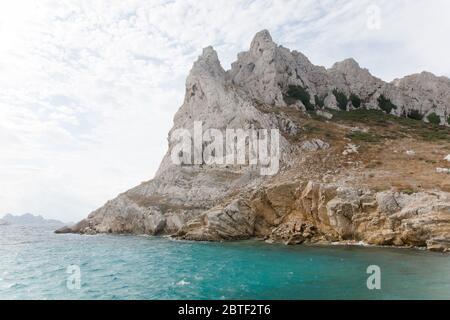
<point x="36" y="263"/>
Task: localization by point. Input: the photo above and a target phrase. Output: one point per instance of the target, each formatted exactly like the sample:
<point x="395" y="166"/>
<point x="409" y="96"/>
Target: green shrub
<point x="415" y="115"/>
<point x="408" y="191"/>
<point x="356" y="101"/>
<point x="433" y="118"/>
<point x="392" y="127"/>
<point x="448" y="120"/>
<point x="371" y="116"/>
<point x="363" y="137"/>
<point x="341" y="99"/>
<point x="320" y="102"/>
<point x="385" y="104"/>
<point x="295" y="93"/>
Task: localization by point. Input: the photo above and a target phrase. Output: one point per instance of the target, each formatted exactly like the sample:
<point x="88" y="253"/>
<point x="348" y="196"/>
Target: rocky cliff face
<point x="322" y="192"/>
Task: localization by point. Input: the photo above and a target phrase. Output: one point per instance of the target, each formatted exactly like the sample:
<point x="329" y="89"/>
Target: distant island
<point x="29" y="219"/>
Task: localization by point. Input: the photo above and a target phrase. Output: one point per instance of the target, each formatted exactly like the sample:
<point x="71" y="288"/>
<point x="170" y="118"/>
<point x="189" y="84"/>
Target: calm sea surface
<point x="34" y="264"/>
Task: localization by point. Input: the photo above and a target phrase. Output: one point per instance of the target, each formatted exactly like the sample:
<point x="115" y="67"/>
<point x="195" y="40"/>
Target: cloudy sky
<point x="88" y="88"/>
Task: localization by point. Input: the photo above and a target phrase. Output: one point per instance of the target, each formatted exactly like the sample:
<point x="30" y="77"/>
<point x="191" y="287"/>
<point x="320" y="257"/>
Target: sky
<point x="88" y="89"/>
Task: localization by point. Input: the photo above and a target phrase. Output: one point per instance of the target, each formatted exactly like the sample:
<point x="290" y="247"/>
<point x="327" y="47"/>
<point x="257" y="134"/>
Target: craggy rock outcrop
<point x="225" y="202"/>
<point x="322" y="213"/>
<point x="233" y="221"/>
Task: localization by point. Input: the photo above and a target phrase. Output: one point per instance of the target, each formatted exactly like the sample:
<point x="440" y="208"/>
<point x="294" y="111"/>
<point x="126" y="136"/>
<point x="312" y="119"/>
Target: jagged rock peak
<point x="261" y="42"/>
<point x="207" y="65"/>
<point x="346" y="64"/>
<point x="209" y="54"/>
<point x="424" y="76"/>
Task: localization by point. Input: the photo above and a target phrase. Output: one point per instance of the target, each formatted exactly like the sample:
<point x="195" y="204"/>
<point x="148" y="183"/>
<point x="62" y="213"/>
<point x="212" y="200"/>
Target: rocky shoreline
<point x="316" y="213"/>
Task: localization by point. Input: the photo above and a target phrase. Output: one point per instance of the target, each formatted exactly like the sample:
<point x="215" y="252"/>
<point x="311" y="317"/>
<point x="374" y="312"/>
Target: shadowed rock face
<point x="202" y="202"/>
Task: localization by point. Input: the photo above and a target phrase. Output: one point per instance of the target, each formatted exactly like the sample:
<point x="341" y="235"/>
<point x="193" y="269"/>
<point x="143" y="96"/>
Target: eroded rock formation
<point x="322" y="193"/>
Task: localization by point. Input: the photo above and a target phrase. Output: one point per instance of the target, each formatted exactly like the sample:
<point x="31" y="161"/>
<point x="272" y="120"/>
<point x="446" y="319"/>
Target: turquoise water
<point x="34" y="262"/>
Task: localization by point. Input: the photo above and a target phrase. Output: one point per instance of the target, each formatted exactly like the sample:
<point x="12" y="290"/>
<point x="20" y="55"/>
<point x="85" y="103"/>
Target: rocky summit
<point x="361" y="160"/>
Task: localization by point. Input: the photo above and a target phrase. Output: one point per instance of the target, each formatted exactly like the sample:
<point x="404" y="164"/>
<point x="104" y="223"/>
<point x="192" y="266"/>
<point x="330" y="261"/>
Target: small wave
<point x="144" y="235"/>
<point x="15" y="285"/>
<point x="350" y="244"/>
<point x="183" y="283"/>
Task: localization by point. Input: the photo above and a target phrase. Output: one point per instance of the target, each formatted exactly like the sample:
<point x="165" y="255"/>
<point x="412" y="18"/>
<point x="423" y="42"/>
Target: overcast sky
<point x="88" y="88"/>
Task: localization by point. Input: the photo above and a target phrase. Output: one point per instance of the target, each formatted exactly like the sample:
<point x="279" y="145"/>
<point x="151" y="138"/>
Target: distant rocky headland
<point x="29" y="219"/>
<point x="361" y="159"/>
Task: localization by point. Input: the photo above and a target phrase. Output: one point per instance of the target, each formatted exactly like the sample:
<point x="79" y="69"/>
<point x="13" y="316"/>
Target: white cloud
<point x="88" y="88"/>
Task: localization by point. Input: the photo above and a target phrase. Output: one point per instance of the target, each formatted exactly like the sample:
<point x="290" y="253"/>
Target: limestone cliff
<point x="357" y="163"/>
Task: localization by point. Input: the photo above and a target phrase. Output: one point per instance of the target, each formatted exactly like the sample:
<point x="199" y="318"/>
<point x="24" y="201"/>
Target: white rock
<point x="443" y="170"/>
<point x="314" y="145"/>
<point x="324" y="114"/>
<point x="358" y="129"/>
<point x="349" y="149"/>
